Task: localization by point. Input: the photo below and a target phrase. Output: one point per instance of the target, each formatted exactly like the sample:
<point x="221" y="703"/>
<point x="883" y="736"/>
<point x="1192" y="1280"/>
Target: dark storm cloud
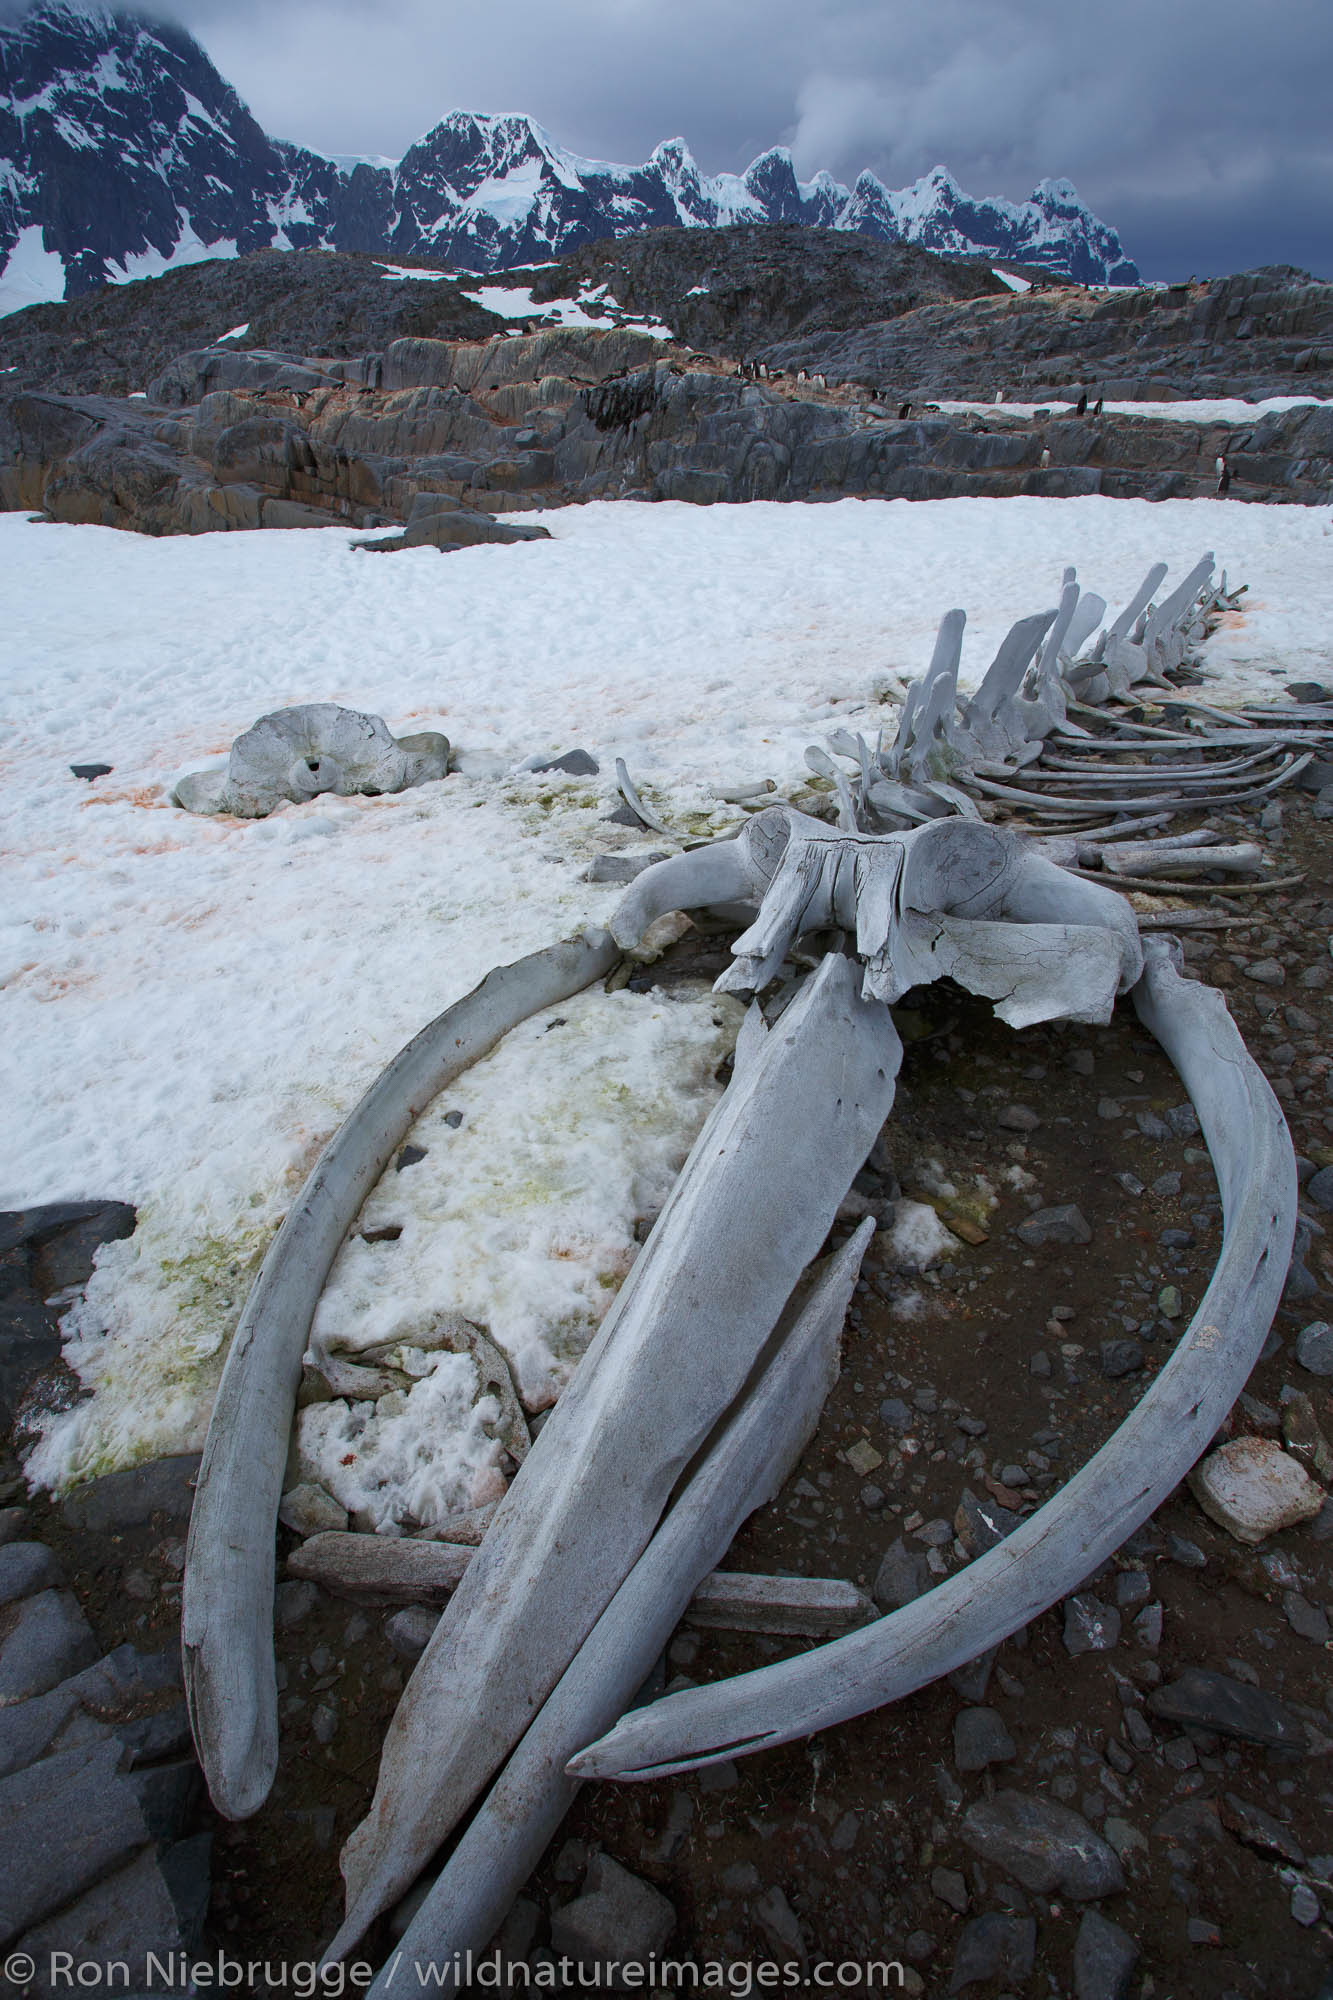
<point x="1198" y="127"/>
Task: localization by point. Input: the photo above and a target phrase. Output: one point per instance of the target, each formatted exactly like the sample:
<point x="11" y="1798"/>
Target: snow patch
<point x="515" y="302"/>
<point x="414" y="1457"/>
<point x="918" y="1238"/>
<point x="33" y="275"/>
<point x="400" y="271"/>
<point x="151" y="263"/>
<point x="193" y="1005"/>
<point x="521" y="1217"/>
<point x="1218" y="410"/>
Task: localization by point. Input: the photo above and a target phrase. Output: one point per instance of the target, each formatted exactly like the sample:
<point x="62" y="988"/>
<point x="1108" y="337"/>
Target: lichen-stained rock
<point x="576" y="353"/>
<point x="297" y="753"/>
<point x="190" y="376"/>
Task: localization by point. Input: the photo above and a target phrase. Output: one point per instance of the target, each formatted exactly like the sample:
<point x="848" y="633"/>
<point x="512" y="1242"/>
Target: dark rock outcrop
<point x="113" y="341"/>
<point x="458" y="433"/>
<point x="45" y="1251"/>
<point x="737" y="290"/>
<point x="1262" y="333"/>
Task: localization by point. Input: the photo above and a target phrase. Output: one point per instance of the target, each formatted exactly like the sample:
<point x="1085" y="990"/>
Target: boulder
<point x="204" y="370"/>
<point x="1252" y="1488"/>
<point x="26" y="1567"/>
<point x="1046" y="1847"/>
<point x="617" y="1917"/>
<point x="65" y="1822"/>
<point x="994" y="1951"/>
<point x="980" y="1739"/>
<point x="1314" y="1343"/>
<point x="1062" y="1224"/>
<point x="43" y="1640"/>
<point x="1104" y="1959"/>
<point x="119" y="1921"/>
<point x="160" y="1488"/>
<point x="1203" y="1699"/>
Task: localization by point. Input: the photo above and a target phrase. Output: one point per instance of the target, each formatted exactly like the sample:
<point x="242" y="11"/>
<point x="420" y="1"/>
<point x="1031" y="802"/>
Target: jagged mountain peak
<point x="1056" y="194"/>
<point x="123" y="152"/>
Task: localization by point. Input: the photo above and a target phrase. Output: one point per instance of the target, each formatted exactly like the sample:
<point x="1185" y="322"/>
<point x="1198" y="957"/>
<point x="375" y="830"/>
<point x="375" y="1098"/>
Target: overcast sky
<point x="1200" y="128"/>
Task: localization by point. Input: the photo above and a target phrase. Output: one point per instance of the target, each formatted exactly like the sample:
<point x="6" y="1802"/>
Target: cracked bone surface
<point x="743" y="1467"/>
<point x="1050" y="1553"/>
<point x="227" y="1606"/>
<point x="299" y="753"/>
<point x="752" y="1207"/>
<point x="953" y="897"/>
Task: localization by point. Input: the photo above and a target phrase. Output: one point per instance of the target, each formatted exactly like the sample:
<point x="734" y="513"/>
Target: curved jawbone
<point x="752" y="1207"/>
<point x="227" y="1606"/>
<point x="1052" y="1552"/>
<point x="742" y="1468"/>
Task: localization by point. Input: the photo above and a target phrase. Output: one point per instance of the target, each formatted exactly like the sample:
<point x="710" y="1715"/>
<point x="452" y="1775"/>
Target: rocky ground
<point x="809" y="368"/>
<point x="739" y="290"/>
<point x="115" y="340"/>
<point x="1260" y="333"/>
<point x="889" y="316"/>
<point x="441" y="436"/>
<point x="1130" y="1798"/>
<point x="730" y="290"/>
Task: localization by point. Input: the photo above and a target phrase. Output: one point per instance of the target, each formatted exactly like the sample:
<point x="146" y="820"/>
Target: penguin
<point x="905" y="412"/>
<point x="1045" y="460"/>
<point x="1081" y="406"/>
<point x="1097" y="409"/>
<point x="1224" y="483"/>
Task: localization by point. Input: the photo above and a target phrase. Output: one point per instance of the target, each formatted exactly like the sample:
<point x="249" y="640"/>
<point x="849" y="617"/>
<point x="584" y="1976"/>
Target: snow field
<point x="192" y="1005"/>
<point x="1220" y="410"/>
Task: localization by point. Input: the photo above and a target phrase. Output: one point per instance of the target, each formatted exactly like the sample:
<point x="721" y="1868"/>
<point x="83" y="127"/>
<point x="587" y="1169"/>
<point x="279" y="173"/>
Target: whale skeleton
<point x="227" y="1600"/>
<point x="642" y="1472"/>
<point x="742" y="1469"/>
<point x="1068" y="1538"/>
<point x="751" y="1208"/>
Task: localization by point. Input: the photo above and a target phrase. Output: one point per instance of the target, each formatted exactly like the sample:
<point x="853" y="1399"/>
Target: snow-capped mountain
<point x="123" y="152"/>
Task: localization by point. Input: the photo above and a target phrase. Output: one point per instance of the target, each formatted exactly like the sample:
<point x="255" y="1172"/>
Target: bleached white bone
<point x="750" y="1209"/>
<point x="227" y="1608"/>
<point x="379" y="1569"/>
<point x="1051" y="1552"/>
<point x="299" y="753"/>
<point x="1149" y="858"/>
<point x="742" y="1469"/>
<point x="629" y="793"/>
<point x="895" y="892"/>
<point x="930" y="702"/>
